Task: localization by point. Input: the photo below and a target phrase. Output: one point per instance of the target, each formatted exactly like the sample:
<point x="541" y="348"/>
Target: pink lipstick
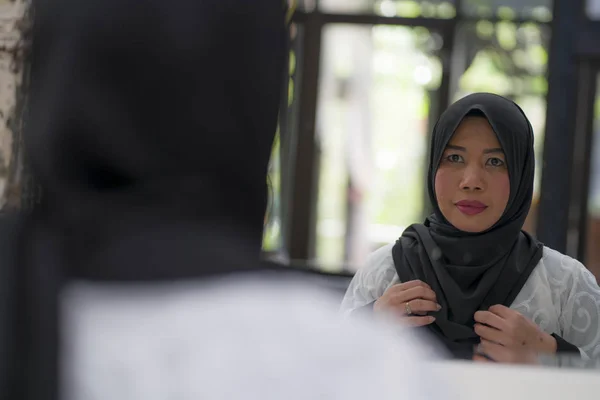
<point x="471" y="207"/>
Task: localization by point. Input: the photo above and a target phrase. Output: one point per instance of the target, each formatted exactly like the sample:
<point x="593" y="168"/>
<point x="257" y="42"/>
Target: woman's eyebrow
<point x="486" y="151"/>
<point x="453" y="147"/>
<point x="494" y="150"/>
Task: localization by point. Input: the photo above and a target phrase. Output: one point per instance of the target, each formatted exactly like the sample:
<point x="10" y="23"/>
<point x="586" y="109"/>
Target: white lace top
<point x="561" y="296"/>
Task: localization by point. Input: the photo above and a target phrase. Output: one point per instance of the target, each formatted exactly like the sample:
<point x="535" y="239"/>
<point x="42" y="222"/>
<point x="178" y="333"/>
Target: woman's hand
<point x="488" y="351"/>
<point x="507" y="336"/>
<point x="411" y="301"/>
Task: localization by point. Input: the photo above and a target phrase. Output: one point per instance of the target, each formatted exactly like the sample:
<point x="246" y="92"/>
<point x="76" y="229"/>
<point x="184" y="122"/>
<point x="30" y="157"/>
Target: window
<point x="538" y="10"/>
<point x="592" y="256"/>
<point x="373" y="114"/>
<point x="443" y="9"/>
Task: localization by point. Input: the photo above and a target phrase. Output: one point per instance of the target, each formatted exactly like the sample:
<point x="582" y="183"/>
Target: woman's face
<point x="472" y="186"/>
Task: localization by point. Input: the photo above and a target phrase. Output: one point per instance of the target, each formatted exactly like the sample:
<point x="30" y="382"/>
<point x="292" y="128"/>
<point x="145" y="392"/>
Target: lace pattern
<point x="561" y="296"/>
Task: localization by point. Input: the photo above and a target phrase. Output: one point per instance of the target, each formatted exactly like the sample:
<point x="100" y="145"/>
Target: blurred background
<point x="367" y="81"/>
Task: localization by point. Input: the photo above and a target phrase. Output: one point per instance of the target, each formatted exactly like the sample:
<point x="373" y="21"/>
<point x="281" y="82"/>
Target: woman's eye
<point x="495" y="162"/>
<point x="454" y="158"/>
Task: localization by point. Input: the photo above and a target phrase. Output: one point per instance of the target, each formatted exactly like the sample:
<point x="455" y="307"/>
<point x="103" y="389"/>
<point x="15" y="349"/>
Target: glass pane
<point x="592" y="9"/>
<point x="372" y="123"/>
<point x="273" y="239"/>
<point x="444" y="9"/>
<point x="540" y="10"/>
<point x="511" y="60"/>
<point x="592" y="258"/>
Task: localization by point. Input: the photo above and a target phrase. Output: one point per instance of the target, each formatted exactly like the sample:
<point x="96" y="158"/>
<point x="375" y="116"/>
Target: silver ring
<point x="407" y="308"/>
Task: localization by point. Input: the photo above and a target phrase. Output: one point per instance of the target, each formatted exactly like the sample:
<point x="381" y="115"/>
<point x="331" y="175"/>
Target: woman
<point x="469" y="274"/>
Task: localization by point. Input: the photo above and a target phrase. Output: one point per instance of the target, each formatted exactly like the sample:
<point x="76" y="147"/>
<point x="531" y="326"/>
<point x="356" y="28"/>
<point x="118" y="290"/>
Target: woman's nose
<point x="472" y="179"/>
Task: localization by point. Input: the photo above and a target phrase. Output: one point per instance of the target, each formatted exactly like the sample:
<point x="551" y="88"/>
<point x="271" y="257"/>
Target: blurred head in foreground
<point x="150" y="132"/>
<point x="151" y="129"/>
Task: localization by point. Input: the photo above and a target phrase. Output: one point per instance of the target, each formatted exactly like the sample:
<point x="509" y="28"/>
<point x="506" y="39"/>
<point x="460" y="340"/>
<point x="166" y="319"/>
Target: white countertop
<point x="498" y="382"/>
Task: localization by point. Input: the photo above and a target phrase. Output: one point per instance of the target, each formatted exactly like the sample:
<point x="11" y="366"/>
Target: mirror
<point x="386" y="72"/>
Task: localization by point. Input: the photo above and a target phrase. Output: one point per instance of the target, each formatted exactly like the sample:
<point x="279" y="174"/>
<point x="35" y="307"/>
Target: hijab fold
<point x="473" y="271"/>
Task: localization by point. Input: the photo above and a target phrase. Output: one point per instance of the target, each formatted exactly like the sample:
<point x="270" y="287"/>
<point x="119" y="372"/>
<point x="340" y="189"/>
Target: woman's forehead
<point x="474" y="131"/>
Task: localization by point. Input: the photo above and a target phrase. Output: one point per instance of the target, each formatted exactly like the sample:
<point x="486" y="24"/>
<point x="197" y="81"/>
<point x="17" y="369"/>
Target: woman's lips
<point x="471" y="207"/>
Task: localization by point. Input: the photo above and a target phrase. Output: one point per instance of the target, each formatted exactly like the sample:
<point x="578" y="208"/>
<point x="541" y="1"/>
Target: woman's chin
<point x="471" y="226"/>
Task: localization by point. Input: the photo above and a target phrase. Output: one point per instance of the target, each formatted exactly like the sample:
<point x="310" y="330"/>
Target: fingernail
<point x="439" y="307"/>
<point x="432" y="319"/>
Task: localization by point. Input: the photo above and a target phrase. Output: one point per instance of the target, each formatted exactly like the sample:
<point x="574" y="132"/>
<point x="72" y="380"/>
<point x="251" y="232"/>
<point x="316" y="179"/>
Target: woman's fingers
<point x="494" y="351"/>
<point x="482" y="359"/>
<point x="491" y="319"/>
<point x="412" y="284"/>
<point x="418" y="300"/>
<point x="418" y="292"/>
<point x="414" y="298"/>
<point x="491" y="334"/>
<point x="506" y="355"/>
<point x="418" y="321"/>
<point x="419" y="306"/>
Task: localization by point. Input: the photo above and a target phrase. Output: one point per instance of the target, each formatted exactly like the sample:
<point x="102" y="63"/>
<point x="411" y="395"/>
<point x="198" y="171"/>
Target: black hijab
<point x="149" y="119"/>
<point x="473" y="271"/>
<point x="150" y="131"/>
